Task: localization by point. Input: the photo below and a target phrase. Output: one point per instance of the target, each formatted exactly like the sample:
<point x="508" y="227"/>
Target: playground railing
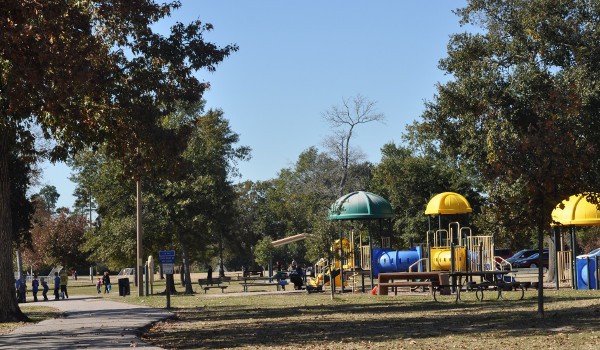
<point x="416" y="263"/>
<point x="502" y="263"/>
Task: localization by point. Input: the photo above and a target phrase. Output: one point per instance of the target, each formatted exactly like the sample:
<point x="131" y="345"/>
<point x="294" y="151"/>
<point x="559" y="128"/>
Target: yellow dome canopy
<point x="448" y="203"/>
<point x="577" y="212"/>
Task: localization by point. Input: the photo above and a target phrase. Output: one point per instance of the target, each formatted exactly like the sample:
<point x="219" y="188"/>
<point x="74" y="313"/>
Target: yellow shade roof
<point x="577" y="212"/>
<point x="448" y="203"/>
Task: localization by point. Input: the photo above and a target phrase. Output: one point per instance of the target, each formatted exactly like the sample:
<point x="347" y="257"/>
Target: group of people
<point x="105" y="280"/>
<point x="60" y="287"/>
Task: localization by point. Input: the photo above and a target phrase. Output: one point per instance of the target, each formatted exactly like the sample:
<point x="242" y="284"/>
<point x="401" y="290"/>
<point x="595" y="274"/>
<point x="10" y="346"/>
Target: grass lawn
<point x="357" y="321"/>
<point x="35" y="314"/>
<point x="364" y="321"/>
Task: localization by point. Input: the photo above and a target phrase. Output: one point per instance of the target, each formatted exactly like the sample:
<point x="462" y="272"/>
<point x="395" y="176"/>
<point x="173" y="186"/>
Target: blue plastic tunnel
<point x="399" y="260"/>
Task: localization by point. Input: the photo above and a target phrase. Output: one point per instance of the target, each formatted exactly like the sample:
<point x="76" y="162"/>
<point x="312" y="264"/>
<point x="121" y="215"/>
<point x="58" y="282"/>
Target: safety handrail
<point x="416" y="262"/>
<point x="501" y="262"/>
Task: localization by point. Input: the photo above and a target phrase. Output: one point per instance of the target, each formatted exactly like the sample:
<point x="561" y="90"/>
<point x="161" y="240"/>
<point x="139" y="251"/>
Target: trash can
<point x="124" y="287"/>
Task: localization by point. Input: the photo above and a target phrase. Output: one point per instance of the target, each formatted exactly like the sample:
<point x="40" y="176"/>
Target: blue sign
<point x="166" y="257"/>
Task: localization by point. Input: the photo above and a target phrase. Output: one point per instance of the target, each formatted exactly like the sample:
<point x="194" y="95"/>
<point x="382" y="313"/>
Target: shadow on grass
<point x="382" y="321"/>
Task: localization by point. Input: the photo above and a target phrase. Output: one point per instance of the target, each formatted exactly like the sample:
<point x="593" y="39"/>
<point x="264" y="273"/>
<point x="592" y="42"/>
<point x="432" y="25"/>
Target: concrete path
<point x="90" y="323"/>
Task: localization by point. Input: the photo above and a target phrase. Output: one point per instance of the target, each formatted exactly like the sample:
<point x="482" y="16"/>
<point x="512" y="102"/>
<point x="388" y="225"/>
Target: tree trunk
<point x="186" y="268"/>
<point x="540" y="269"/>
<point x="182" y="274"/>
<point x="9" y="312"/>
<point x="139" y="266"/>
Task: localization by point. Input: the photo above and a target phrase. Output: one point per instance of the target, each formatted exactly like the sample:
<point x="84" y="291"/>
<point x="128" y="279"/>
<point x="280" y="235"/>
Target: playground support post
<point x="597" y="272"/>
<point x="573" y="256"/>
<point x="341" y="262"/>
<point x="428" y="243"/>
<point x="371" y="256"/>
<point x="556" y="246"/>
<point x="452" y="264"/>
<point x="589" y="272"/>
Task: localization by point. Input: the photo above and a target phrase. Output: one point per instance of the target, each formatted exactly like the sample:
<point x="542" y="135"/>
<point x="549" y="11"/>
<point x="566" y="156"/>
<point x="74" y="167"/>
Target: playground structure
<point x="576" y="211"/>
<point x="451" y="248"/>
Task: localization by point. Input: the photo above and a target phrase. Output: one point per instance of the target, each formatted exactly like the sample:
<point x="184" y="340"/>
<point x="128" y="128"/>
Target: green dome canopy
<point x="361" y="205"/>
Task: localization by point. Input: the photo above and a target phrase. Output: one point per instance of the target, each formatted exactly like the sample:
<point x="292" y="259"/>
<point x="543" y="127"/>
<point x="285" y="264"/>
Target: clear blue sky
<point x="297" y="59"/>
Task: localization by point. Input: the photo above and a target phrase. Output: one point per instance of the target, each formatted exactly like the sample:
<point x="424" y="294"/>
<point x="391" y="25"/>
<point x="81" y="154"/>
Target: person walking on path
<point x="106" y="282"/>
<point x="56" y="285"/>
<point x="64" y="280"/>
<point x="35" y="284"/>
<point x="99" y="285"/>
<point x="45" y="290"/>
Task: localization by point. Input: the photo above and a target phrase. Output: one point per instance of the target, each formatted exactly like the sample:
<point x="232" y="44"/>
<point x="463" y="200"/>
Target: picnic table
<point x="436" y="281"/>
<point x="260" y="281"/>
<point x="488" y="281"/>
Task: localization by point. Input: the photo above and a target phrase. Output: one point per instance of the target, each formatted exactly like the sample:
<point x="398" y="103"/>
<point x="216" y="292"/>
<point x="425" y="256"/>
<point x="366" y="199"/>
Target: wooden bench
<point x="395" y="285"/>
<point x="207" y="284"/>
<point x="250" y="284"/>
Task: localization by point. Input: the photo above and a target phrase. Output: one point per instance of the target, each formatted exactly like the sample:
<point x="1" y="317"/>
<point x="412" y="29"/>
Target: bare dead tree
<point x="343" y="119"/>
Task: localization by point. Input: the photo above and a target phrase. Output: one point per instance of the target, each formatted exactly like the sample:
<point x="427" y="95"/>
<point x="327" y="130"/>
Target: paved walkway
<point x="90" y="323"/>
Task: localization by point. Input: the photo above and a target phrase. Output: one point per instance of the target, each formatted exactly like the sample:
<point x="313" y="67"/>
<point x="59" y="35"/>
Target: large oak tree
<point x="523" y="105"/>
<point x="83" y="72"/>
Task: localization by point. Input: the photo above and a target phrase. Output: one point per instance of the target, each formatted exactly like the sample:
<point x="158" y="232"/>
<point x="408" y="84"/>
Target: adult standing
<point x="56" y="285"/>
<point x="64" y="280"/>
<point x="209" y="274"/>
<point x="35" y="284"/>
<point x="106" y="282"/>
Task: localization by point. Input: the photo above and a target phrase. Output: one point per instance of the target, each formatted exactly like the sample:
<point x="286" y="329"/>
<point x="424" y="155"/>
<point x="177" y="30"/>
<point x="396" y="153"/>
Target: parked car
<point x="504" y="253"/>
<point x="521" y="254"/>
<point x="594" y="253"/>
<point x="532" y="260"/>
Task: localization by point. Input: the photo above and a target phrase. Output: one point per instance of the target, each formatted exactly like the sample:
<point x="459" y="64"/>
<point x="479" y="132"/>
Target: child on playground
<point x="99" y="285"/>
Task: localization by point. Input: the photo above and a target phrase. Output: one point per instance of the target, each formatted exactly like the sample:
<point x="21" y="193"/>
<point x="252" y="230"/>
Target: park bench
<point x="411" y="284"/>
<point x="207" y="284"/>
<point x="251" y="284"/>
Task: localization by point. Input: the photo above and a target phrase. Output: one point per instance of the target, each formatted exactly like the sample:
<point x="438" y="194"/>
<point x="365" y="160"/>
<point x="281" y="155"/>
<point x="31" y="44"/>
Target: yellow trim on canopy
<point x="577" y="212"/>
<point x="448" y="203"/>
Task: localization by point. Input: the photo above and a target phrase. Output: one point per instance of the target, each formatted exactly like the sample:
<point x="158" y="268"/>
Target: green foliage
<point x="263" y="251"/>
<point x="188" y="211"/>
<point x="522" y="107"/>
<point x="50" y="196"/>
<point x="93" y="73"/>
<point x="408" y="180"/>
